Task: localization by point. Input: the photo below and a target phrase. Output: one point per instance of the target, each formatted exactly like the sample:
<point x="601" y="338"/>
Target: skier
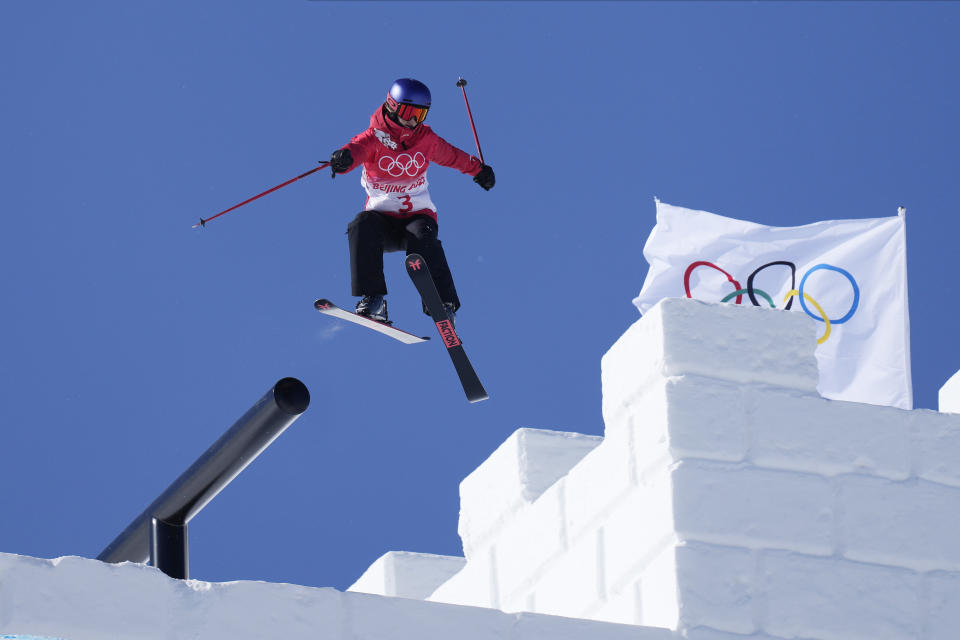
<point x="399" y="215"/>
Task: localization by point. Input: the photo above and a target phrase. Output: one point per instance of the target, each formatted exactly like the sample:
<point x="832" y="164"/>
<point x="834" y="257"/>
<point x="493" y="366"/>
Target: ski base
<point x="326" y="307"/>
<point x="420" y="274"/>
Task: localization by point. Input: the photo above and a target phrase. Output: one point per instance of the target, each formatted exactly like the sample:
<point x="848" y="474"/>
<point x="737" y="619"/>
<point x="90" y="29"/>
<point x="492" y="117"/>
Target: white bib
<point x="397" y="196"/>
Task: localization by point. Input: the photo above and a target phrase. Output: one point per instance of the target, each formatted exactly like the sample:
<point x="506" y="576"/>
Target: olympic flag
<point x="848" y="275"/>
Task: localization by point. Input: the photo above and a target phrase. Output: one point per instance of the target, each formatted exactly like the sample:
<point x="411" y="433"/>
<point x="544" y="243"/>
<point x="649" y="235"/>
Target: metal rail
<point x="159" y="533"/>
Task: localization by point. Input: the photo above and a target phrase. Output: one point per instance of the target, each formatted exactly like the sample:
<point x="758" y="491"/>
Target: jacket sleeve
<point x="447" y="155"/>
<point x="359" y="147"/>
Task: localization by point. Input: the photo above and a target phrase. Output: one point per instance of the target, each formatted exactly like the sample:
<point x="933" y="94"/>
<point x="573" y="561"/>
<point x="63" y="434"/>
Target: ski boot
<point x="373" y="307"/>
<point x="451" y="310"/>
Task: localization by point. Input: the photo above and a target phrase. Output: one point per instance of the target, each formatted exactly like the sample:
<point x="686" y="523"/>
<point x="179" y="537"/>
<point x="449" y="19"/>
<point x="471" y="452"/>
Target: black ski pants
<point x="371" y="234"/>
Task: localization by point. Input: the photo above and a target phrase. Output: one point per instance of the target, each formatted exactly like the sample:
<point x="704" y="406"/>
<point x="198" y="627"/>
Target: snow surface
<point x="726" y="500"/>
<point x="79" y="599"/>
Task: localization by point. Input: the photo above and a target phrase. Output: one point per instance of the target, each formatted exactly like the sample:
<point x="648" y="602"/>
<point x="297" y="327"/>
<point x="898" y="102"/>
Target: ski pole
<point x="203" y="221"/>
<point x="463" y="84"/>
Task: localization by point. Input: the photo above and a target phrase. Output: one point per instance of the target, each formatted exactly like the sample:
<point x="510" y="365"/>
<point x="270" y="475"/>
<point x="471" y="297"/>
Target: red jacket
<point x="395" y="161"/>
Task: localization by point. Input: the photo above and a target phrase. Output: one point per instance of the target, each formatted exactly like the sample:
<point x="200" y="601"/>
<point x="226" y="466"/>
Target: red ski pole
<point x="203" y="221"/>
<point x="462" y="84"/>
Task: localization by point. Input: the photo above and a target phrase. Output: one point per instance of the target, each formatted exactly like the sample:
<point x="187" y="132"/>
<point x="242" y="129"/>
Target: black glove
<point x="485" y="178"/>
<point x="340" y="161"/>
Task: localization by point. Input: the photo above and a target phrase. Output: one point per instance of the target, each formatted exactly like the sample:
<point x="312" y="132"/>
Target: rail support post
<point x="169" y="548"/>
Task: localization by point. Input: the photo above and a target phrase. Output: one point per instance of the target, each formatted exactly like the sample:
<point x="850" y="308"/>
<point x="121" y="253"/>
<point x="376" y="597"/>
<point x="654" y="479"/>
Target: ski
<point x="326" y="307"/>
<point x="420" y="274"/>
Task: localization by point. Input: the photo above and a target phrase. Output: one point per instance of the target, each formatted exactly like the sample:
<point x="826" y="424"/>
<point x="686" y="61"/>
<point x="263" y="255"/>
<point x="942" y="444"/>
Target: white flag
<point x="849" y="275"/>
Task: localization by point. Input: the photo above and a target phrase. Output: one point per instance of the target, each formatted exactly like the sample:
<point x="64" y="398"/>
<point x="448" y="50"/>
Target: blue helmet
<point x="408" y="100"/>
<point x="410" y="91"/>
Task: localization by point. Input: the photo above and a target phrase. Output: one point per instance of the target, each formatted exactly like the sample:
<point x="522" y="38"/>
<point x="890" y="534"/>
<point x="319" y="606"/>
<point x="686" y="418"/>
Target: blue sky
<point x="131" y="342"/>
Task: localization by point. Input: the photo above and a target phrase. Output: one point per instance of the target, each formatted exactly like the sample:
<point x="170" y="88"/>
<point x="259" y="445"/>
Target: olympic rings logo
<point x="402" y="164"/>
<point x="798" y="292"/>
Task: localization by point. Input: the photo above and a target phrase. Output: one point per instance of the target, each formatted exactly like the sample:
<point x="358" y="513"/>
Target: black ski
<point x="326" y="307"/>
<point x="420" y="274"/>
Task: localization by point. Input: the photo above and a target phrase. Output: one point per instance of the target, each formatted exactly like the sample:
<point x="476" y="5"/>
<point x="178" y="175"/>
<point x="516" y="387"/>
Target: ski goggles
<point x="407" y="111"/>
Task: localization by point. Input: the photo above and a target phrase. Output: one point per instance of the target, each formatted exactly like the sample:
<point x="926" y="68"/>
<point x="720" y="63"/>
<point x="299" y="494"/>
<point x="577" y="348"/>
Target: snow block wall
<point x="949" y="399"/>
<point x="404" y="574"/>
<point x="727" y="498"/>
